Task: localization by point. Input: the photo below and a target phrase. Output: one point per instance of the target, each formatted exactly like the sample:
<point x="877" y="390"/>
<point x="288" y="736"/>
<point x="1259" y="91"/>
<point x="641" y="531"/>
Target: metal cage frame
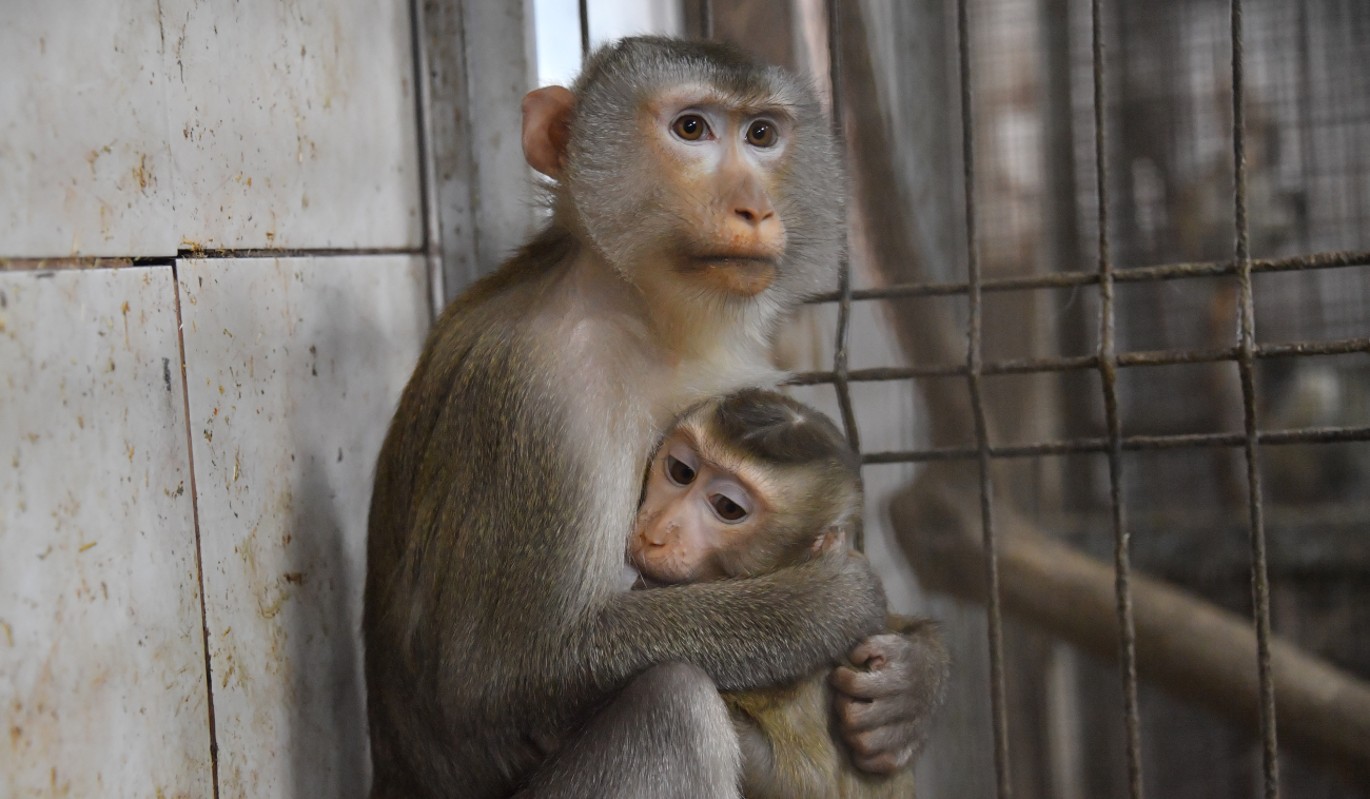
<point x="1107" y="361"/>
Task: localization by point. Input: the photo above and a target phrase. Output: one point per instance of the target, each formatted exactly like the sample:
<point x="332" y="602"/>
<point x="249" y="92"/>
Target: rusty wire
<point x="1107" y="361"/>
<point x="998" y="694"/>
<point x="1141" y="274"/>
<point x="1260" y="580"/>
<point x="1108" y="376"/>
<point x="1304" y="435"/>
<point x="1021" y="366"/>
<point x="844" y="290"/>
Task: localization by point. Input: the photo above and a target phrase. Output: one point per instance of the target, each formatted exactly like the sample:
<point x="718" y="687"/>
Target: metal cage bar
<point x="584" y="9"/>
<point x="1260" y="579"/>
<point x="1108" y="377"/>
<point x="998" y="693"/>
<point x="428" y="180"/>
<point x="844" y="290"/>
<point x="1141" y="274"/>
<point x="1306" y="435"/>
<point x="1107" y="360"/>
<point x="1080" y="362"/>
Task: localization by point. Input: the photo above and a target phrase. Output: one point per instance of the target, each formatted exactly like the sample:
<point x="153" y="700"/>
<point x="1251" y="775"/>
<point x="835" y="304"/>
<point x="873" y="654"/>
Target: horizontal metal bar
<point x="1322" y="539"/>
<point x="1140" y="274"/>
<point x="1307" y="435"/>
<point x="1073" y="363"/>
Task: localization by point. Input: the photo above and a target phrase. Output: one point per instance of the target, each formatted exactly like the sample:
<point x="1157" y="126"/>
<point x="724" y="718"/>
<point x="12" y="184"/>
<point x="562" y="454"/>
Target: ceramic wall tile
<point x="83" y="130"/>
<point x="295" y="366"/>
<point x="102" y="669"/>
<point x="293" y="124"/>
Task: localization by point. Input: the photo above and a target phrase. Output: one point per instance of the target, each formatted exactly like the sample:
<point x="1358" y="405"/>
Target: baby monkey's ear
<point x="831" y="539"/>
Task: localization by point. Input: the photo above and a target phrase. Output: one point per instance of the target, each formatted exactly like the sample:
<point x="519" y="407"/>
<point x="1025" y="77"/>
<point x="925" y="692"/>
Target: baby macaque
<point x="742" y="486"/>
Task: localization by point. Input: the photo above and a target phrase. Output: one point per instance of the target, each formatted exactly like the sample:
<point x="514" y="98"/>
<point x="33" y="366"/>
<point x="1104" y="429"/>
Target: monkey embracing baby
<point x="742" y="486"/>
<point x="697" y="199"/>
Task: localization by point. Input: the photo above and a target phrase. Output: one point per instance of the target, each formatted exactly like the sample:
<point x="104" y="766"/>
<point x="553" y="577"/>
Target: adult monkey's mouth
<point x="738" y="273"/>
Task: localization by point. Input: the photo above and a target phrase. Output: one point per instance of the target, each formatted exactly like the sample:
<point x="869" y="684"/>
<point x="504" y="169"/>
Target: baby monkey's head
<point x="744" y="485"/>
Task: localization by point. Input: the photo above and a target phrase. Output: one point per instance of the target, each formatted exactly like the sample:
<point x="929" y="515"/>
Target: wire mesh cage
<point x="1153" y="349"/>
<point x="1107" y="315"/>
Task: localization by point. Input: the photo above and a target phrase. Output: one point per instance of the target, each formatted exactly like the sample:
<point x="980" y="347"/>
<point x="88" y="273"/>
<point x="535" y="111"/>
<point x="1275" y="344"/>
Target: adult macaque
<point x="744" y="486"/>
<point x="697" y="199"/>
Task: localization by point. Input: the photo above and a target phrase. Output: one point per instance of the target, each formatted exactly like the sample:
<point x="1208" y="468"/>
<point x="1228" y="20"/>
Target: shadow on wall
<point x="294" y="367"/>
<point x="325" y="650"/>
<point x="327" y="518"/>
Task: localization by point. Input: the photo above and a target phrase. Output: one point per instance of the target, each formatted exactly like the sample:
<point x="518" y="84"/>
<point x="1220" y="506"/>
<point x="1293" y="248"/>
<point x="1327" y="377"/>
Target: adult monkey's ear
<point x="547" y="127"/>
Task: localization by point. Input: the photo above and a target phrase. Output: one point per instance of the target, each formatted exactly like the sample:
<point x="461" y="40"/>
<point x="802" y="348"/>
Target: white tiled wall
<point x="84" y="152"/>
<point x="140" y="128"/>
<point x="293" y="367"/>
<point x="292" y="124"/>
<point x="102" y="671"/>
<point x="134" y="127"/>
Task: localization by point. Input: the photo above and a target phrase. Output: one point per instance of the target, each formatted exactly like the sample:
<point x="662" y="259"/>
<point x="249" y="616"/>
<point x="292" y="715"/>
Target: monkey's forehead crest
<point x="701" y="93"/>
<point x="647" y="63"/>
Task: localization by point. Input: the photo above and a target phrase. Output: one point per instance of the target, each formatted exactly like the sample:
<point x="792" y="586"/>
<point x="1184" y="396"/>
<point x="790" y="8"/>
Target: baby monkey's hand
<point x="886" y="698"/>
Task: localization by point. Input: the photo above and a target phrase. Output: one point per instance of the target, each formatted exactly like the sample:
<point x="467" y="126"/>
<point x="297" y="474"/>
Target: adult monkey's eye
<point x="690" y="127"/>
<point x="726" y="509"/>
<point x="680" y="472"/>
<point x="761" y="133"/>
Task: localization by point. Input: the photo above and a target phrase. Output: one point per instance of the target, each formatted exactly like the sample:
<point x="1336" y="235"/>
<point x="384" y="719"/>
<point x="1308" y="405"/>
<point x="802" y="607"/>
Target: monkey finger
<point x="859" y="714"/>
<point x="862" y="684"/>
<point x="879" y="751"/>
<point x="876" y="651"/>
<point x="856" y="714"/>
<point x="854" y="683"/>
<point x="885" y="762"/>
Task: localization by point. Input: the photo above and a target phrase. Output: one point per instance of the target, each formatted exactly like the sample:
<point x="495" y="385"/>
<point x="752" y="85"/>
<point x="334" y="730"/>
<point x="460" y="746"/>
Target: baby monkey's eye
<point x="690" y="127"/>
<point x="726" y="509"/>
<point x="761" y="133"/>
<point x="680" y="472"/>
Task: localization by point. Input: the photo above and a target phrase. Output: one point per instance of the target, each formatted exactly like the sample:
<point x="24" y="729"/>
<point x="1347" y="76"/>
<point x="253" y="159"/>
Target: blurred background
<point x="225" y="228"/>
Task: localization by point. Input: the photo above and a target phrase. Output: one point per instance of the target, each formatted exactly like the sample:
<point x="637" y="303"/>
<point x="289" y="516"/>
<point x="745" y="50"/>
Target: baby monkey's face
<point x="694" y="511"/>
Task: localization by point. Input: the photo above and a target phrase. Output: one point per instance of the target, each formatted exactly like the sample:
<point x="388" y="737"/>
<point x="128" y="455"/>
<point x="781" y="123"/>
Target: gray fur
<point x="614" y="83"/>
<point x="788" y="732"/>
<point x="506" y="487"/>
